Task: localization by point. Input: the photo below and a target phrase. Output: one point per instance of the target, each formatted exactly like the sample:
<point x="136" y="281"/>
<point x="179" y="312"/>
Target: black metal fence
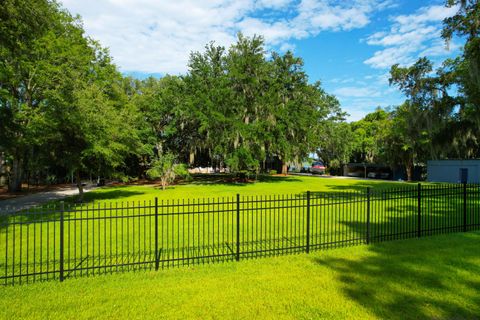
<point x="70" y="240"/>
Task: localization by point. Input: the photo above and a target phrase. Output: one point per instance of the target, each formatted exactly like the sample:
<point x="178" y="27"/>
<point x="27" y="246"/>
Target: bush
<point x="51" y="179"/>
<point x="165" y="169"/>
<point x="334" y="164"/>
<point x="242" y="160"/>
<point x="242" y="175"/>
<point x="122" y="177"/>
<point x="181" y="170"/>
<point x="272" y="172"/>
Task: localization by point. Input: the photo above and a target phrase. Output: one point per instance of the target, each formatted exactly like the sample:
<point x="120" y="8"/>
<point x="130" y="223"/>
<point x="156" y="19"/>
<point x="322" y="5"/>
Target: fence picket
<point x="42" y="243"/>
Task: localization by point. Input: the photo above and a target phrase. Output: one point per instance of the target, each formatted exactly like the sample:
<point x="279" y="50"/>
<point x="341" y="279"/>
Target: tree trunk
<point x="409" y="170"/>
<point x="409" y="173"/>
<point x="15" y="177"/>
<point x="284" y="169"/>
<point x="79" y="185"/>
<point x="191" y="158"/>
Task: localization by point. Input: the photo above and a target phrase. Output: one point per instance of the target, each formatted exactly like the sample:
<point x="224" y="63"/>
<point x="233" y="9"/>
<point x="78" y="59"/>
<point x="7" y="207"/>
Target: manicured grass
<point x="102" y="238"/>
<point x="216" y="186"/>
<point x="436" y="278"/>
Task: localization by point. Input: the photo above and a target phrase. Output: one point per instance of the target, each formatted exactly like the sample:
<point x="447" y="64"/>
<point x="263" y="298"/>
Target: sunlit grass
<point x="217" y="186"/>
<point x="429" y="278"/>
<point x="101" y="236"/>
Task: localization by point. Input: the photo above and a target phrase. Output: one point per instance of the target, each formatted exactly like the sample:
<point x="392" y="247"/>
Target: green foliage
<point x="440" y="117"/>
<point x="64" y="107"/>
<point x="120" y="176"/>
<point x="418" y="124"/>
<point x="242" y="160"/>
<point x="435" y="121"/>
<point x="367" y="136"/>
<point x="181" y="170"/>
<point x="60" y="95"/>
<point x="163" y="168"/>
<point x="336" y="143"/>
<point x="247" y="107"/>
<point x="272" y="172"/>
<point x="463" y="133"/>
<point x="28" y="59"/>
<point x="335" y="164"/>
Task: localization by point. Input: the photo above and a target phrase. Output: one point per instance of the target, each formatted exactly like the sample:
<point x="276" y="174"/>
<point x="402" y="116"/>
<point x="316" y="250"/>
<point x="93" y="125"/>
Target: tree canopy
<point x="66" y="110"/>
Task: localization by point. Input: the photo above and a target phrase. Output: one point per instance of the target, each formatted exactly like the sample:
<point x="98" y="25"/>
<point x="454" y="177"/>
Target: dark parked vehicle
<point x="318" y="167"/>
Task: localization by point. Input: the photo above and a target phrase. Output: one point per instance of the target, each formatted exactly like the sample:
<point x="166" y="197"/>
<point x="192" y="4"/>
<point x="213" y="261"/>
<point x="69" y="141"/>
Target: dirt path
<point x="35" y="199"/>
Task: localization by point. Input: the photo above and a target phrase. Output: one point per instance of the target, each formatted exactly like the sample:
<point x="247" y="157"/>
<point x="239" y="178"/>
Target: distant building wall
<point x="451" y="170"/>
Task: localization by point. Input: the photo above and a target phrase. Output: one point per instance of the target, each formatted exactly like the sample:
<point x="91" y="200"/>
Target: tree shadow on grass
<point x="230" y="180"/>
<point x="374" y="185"/>
<point x="117" y="193"/>
<point x="416" y="279"/>
<point x="51" y="211"/>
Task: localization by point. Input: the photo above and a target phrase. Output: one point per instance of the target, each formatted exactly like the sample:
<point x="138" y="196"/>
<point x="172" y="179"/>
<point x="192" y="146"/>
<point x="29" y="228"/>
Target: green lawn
<point x="113" y="234"/>
<point x="204" y="186"/>
<point x="434" y="278"/>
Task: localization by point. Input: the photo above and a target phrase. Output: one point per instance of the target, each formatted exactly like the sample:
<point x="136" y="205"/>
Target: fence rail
<point x="70" y="240"/>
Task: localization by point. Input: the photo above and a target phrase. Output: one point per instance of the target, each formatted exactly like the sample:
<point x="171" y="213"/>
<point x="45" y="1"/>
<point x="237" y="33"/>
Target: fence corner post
<point x="368" y="215"/>
<point x="62" y="241"/>
<point x="464" y="207"/>
<point x="419" y="205"/>
<point x="237" y="256"/>
<point x="307" y="247"/>
<point x="157" y="256"/>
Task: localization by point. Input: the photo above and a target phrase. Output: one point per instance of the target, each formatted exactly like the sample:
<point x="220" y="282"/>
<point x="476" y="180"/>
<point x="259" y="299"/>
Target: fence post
<point x="464" y="207"/>
<point x="62" y="241"/>
<point x="157" y="256"/>
<point x="238" y="228"/>
<point x="368" y="215"/>
<point x="419" y="204"/>
<point x="308" y="222"/>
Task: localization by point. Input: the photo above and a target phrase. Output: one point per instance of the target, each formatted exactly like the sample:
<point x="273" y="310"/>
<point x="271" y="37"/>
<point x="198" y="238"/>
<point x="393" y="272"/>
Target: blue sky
<point x="348" y="45"/>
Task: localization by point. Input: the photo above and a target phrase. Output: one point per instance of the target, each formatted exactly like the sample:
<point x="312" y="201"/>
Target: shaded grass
<point x="435" y="278"/>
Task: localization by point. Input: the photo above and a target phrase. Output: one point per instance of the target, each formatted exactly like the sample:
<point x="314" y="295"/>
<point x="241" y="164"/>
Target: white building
<point x="454" y="171"/>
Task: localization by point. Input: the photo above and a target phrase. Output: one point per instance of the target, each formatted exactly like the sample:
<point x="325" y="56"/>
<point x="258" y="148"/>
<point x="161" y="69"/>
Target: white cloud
<point x="158" y="35"/>
<point x="423" y="16"/>
<point x="364" y="94"/>
<point x="410" y="37"/>
<point x="341" y="80"/>
<point x="273" y="4"/>
<point x="356" y="92"/>
<point x="357" y="108"/>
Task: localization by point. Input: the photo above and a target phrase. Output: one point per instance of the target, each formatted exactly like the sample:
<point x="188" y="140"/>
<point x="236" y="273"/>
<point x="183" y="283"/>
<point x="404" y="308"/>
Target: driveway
<point x="32" y="200"/>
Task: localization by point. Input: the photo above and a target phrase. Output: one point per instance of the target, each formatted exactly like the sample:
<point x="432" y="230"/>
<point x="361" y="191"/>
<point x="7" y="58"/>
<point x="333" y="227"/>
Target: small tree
<point x="165" y="169"/>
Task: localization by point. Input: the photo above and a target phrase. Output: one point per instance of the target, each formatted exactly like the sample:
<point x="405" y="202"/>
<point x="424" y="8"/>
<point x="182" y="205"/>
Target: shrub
<point x="120" y="176"/>
<point x="165" y="169"/>
<point x="272" y="172"/>
<point x="51" y="179"/>
<point x="162" y="168"/>
<point x="181" y="170"/>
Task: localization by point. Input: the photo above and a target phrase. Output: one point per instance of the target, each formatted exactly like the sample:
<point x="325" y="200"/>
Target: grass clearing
<point x="104" y="239"/>
<point x="436" y="277"/>
<point x="215" y="186"/>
